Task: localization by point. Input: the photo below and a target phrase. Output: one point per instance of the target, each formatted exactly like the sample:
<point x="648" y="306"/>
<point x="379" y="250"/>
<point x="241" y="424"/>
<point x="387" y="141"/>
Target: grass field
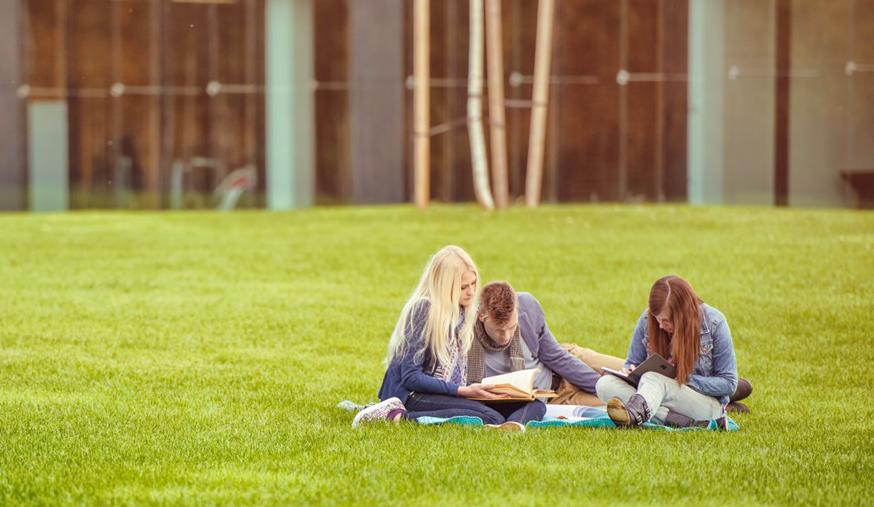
<point x="198" y="358"/>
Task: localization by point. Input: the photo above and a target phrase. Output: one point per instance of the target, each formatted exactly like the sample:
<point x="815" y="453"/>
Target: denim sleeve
<point x="637" y="352"/>
<point x="413" y="376"/>
<point x="724" y="379"/>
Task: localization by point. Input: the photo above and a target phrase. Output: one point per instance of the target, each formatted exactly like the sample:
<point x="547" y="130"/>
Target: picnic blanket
<point x="595" y="417"/>
<point x="557" y="416"/>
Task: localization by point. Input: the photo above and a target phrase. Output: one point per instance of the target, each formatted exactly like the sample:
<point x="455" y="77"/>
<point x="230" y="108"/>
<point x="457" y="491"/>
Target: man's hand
<point x="630" y="369"/>
<point x="480" y="391"/>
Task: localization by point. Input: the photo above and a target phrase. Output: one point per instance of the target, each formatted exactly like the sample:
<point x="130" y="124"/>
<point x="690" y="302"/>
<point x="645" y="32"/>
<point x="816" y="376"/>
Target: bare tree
<point x="497" y="123"/>
<point x="421" y="98"/>
<point x="542" y="60"/>
<point x="474" y="108"/>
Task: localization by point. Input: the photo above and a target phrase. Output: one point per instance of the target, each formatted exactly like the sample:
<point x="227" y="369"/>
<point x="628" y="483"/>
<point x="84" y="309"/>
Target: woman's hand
<point x="479" y="391"/>
<point x="629" y="369"/>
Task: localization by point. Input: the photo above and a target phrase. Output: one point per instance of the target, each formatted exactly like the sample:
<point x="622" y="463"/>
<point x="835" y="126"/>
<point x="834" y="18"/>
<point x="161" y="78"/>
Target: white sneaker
<point x="378" y="412"/>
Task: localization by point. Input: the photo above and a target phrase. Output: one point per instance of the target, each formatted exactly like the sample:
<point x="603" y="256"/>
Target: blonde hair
<point x="440" y="285"/>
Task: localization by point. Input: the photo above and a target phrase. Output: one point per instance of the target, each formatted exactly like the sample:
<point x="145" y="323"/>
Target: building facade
<point x="286" y="103"/>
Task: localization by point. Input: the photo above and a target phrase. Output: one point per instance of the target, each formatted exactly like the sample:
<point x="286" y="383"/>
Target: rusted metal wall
<point x="12" y="144"/>
<point x="153" y="83"/>
<point x="150" y="84"/>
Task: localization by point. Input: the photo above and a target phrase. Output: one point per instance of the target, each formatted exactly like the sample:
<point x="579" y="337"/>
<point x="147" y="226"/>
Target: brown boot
<point x="743" y="391"/>
<point x="737" y="407"/>
<point x="630" y="415"/>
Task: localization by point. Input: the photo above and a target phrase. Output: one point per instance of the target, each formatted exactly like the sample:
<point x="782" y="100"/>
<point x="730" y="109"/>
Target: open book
<point x="519" y="385"/>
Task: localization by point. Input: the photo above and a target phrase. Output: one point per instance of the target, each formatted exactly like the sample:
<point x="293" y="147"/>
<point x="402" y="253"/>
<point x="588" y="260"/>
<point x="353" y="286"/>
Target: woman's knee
<point x="652" y="377"/>
<point x="485" y="412"/>
<point x="536" y="410"/>
<point x="490" y="416"/>
<point x="609" y="387"/>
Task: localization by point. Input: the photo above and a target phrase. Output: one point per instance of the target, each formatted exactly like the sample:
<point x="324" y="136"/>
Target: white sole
<point x="367" y="411"/>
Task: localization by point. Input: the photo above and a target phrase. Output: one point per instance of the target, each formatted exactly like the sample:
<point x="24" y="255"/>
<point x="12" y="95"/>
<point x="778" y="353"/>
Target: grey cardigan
<point x="541" y="343"/>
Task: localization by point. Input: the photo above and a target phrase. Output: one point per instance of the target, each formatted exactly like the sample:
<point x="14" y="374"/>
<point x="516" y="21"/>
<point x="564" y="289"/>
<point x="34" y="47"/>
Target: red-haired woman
<point x="695" y="338"/>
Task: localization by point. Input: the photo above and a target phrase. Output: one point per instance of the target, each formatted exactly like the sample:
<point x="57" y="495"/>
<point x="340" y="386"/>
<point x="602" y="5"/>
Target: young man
<point x="511" y="334"/>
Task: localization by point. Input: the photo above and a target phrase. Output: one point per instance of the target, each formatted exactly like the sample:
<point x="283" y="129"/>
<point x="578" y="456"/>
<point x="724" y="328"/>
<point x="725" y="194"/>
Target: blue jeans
<point x="522" y="411"/>
<point x="441" y="405"/>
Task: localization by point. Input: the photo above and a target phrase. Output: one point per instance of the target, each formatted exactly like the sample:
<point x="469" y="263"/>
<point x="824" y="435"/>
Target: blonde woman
<point x="426" y="362"/>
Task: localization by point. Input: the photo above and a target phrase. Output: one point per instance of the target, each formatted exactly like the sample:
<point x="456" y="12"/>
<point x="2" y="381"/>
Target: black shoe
<point x="677" y="420"/>
<point x="630" y="415"/>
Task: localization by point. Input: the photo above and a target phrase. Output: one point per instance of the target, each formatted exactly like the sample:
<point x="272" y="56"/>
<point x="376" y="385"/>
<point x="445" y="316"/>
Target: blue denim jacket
<point x="411" y="373"/>
<point x="716" y="368"/>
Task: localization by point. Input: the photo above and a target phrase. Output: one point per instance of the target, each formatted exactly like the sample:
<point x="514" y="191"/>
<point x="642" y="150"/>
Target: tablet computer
<point x="654" y="363"/>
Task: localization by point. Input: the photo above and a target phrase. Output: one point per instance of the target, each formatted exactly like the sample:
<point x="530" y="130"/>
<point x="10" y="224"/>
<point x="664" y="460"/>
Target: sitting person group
<point x="442" y="348"/>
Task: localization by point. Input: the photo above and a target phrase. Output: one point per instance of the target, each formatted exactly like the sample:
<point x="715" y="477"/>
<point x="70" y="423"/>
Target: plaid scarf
<point x="482" y="344"/>
<point x="456" y="371"/>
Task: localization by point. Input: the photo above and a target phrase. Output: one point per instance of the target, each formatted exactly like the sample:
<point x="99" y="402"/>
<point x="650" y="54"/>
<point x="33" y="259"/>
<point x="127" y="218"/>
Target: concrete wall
<point x="831" y="119"/>
<point x="860" y="100"/>
<point x="289" y="104"/>
<point x="376" y="44"/>
<point x="817" y="147"/>
<point x="832" y="123"/>
<point x="748" y="174"/>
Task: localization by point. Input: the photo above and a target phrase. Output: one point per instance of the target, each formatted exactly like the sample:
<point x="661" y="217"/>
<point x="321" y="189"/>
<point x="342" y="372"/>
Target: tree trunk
<point x="421" y="99"/>
<point x="474" y="108"/>
<point x="542" y="58"/>
<point x="497" y="123"/>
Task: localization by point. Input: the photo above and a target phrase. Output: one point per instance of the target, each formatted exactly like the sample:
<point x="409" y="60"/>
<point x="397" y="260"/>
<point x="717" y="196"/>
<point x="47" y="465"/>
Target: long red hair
<point x="683" y="306"/>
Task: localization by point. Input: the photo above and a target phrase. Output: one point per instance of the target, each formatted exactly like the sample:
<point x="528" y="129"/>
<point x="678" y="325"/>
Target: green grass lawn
<point x="198" y="358"/>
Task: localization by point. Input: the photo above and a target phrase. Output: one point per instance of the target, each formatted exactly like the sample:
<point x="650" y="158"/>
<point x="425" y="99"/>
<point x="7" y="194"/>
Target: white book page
<point x="575" y="412"/>
<point x="614" y="372"/>
<point x="522" y="379"/>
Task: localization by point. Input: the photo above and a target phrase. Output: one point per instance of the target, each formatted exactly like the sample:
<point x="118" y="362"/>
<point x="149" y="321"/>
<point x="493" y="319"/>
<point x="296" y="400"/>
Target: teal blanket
<point x="599" y="421"/>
